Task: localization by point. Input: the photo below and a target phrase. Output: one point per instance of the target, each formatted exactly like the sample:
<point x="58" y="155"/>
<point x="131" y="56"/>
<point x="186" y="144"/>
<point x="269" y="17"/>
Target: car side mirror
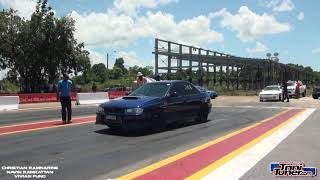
<point x="173" y="94"/>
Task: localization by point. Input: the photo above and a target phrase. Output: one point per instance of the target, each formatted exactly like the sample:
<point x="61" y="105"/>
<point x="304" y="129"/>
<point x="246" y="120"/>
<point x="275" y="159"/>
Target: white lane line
<point x="46" y="108"/>
<point x="46" y="121"/>
<point x="58" y="107"/>
<point x="256" y="107"/>
<point x="238" y="166"/>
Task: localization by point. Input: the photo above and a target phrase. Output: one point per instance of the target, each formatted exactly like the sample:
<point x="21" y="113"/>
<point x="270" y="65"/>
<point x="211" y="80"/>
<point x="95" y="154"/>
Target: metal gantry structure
<point x="172" y="59"/>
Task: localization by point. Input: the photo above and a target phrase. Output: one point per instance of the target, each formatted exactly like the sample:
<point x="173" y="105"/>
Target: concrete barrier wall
<point x="39" y="97"/>
<point x="9" y="103"/>
<point x="92" y="98"/>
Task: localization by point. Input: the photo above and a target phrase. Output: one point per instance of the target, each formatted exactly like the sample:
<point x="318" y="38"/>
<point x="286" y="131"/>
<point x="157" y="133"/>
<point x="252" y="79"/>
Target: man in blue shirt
<point x="64" y="90"/>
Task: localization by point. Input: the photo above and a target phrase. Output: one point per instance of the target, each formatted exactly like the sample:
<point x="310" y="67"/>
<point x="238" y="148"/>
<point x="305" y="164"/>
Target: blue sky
<point x="248" y="28"/>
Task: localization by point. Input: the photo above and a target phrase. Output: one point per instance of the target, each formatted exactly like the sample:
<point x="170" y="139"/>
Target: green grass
<point x="223" y="91"/>
<point x="232" y="91"/>
<point x="8" y="87"/>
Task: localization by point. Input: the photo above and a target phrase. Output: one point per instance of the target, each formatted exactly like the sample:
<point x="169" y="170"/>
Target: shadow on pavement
<point x="170" y="127"/>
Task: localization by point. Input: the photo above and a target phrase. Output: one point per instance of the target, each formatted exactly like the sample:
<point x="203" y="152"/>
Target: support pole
<point x="169" y="59"/>
<point x="227" y="75"/>
<point x="221" y="74"/>
<point x="215" y="74"/>
<point x="237" y="77"/>
<point x="200" y="78"/>
<point x="156" y="57"/>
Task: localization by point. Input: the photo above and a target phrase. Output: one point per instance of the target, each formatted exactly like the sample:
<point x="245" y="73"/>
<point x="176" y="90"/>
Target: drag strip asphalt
<point x="90" y="151"/>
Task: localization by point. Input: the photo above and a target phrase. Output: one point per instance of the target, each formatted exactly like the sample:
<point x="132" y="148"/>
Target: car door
<point x="193" y="100"/>
<point x="175" y="103"/>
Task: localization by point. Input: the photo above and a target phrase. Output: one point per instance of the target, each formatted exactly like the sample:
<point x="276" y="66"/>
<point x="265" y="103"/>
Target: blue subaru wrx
<point x="154" y="105"/>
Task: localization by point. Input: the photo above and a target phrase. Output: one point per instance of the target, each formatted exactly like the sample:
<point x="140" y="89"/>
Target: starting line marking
<point x="12" y="129"/>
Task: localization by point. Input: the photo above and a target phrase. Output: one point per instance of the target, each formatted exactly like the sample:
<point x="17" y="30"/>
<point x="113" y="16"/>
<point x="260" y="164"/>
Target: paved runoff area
<point x="243" y="139"/>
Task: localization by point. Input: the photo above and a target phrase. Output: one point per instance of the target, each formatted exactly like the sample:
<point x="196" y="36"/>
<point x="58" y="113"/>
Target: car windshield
<point x="290" y="84"/>
<point x="271" y="88"/>
<point x="152" y="89"/>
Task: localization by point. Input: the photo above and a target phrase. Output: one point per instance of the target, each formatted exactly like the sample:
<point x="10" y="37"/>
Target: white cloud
<point x="316" y="51"/>
<point x="272" y="3"/>
<point x="112" y="30"/>
<point x="120" y="29"/>
<point x="131" y="59"/>
<point x="285" y="5"/>
<point x="25" y="7"/>
<point x="130" y="7"/>
<point x="281" y="5"/>
<point x="193" y="31"/>
<point x="105" y="29"/>
<point x="97" y="57"/>
<point x="258" y="48"/>
<point x="300" y="16"/>
<point x="250" y="25"/>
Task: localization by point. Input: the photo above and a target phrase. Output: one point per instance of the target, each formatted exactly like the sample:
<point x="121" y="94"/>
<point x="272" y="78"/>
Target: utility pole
<point x="107" y="66"/>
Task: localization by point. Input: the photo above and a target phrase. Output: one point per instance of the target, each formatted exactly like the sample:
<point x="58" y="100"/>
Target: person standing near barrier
<point x="297" y="92"/>
<point x="94" y="87"/>
<point x="284" y="91"/>
<point x="64" y="90"/>
<point x="158" y="78"/>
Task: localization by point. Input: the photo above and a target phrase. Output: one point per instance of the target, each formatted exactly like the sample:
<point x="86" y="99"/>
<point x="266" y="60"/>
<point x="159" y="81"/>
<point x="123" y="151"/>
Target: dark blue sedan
<point x="154" y="105"/>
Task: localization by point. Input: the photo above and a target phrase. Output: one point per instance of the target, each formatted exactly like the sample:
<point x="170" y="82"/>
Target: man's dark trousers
<point x="66" y="106"/>
<point x="285" y="96"/>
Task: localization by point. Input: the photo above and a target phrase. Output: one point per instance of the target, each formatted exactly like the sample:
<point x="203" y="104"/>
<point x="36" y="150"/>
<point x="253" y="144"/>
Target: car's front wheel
<point x="203" y="117"/>
<point x="158" y="124"/>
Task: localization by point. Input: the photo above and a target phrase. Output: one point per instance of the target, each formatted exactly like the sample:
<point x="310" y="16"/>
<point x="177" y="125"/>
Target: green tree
<point x="40" y="49"/>
<point x="99" y="71"/>
<point x="116" y="73"/>
<point x="120" y="64"/>
<point x="147" y="71"/>
<point x="308" y="69"/>
<point x="134" y="70"/>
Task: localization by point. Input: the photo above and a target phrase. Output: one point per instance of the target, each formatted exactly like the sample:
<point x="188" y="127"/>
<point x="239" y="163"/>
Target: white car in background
<point x="271" y="93"/>
<point x="292" y="89"/>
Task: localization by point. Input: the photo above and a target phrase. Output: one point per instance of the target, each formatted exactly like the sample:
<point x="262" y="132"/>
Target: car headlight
<point x="135" y="111"/>
<point x="100" y="110"/>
